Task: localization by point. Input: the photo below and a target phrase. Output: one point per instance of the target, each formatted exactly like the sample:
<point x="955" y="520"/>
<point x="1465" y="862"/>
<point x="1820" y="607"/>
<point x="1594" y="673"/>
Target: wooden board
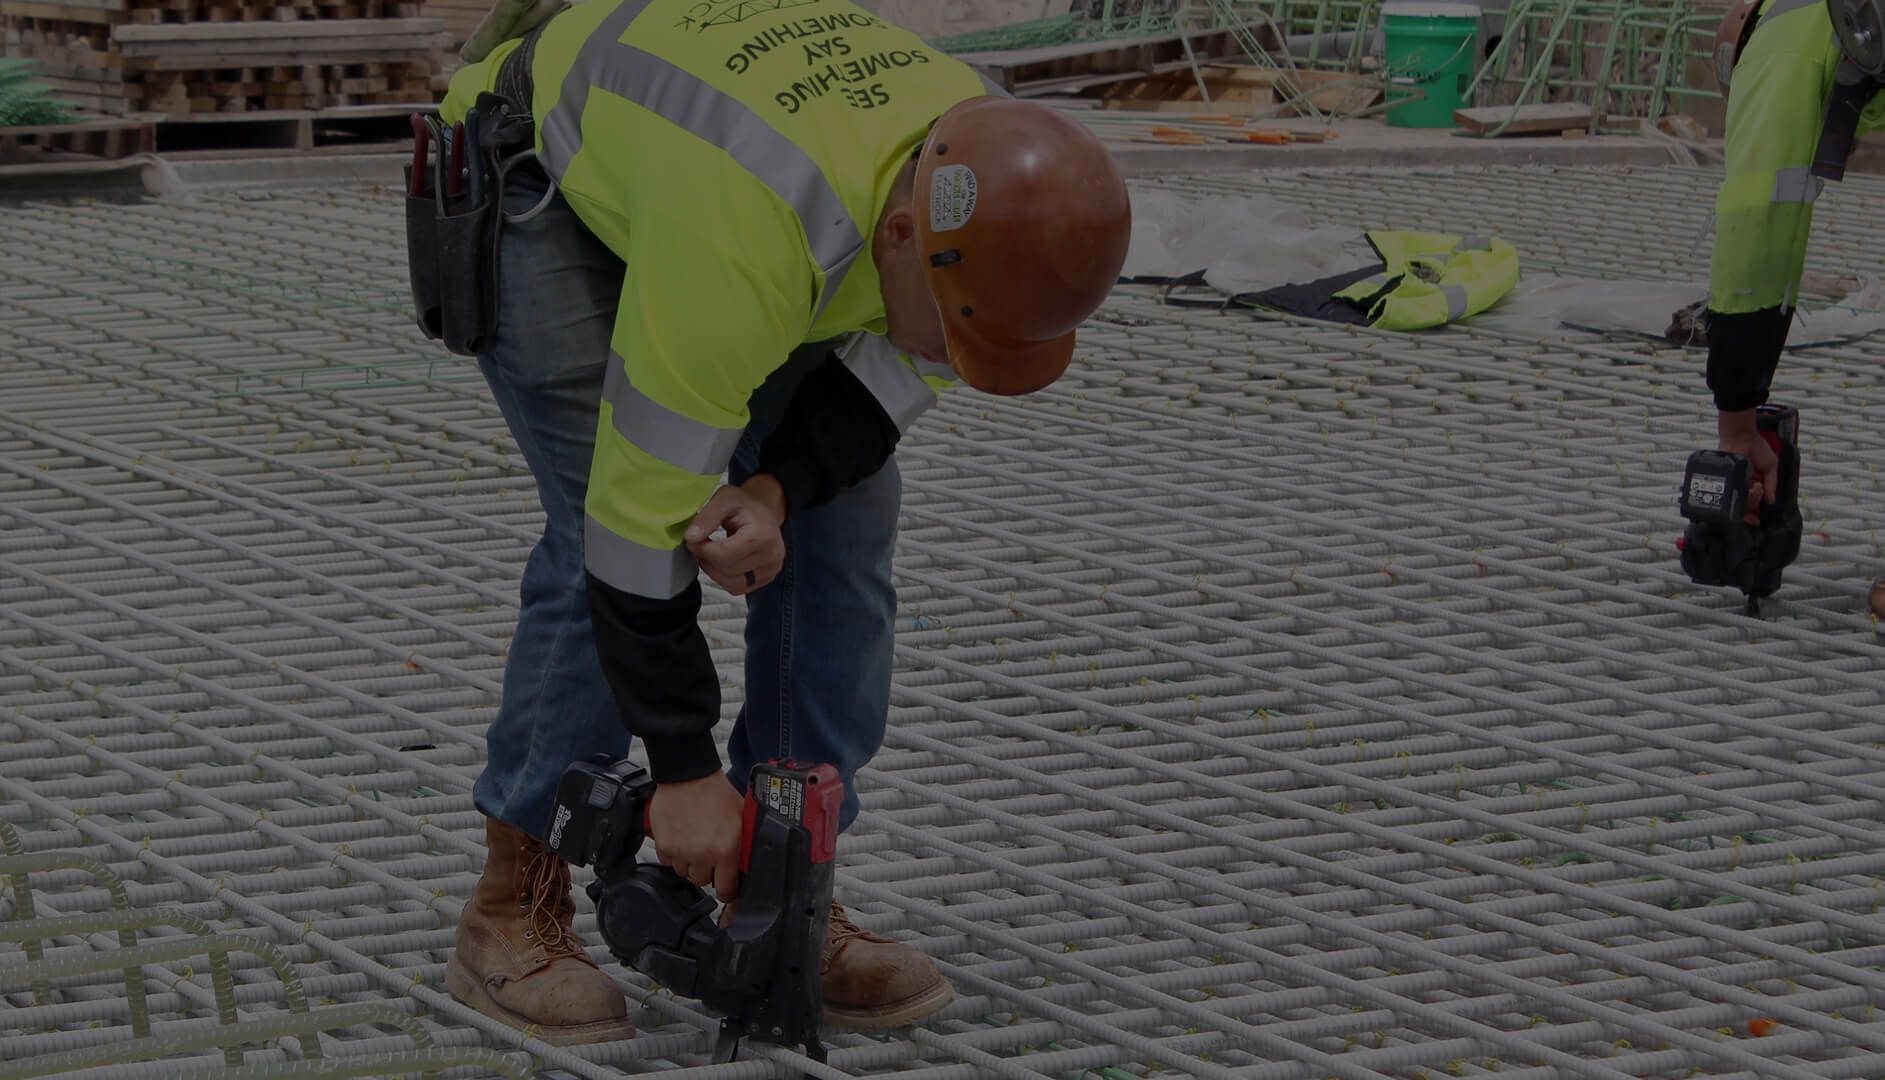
<point x="1016" y="70"/>
<point x="1238" y="90"/>
<point x="93" y="11"/>
<point x="211" y="35"/>
<point x="247" y="58"/>
<point x="1549" y="119"/>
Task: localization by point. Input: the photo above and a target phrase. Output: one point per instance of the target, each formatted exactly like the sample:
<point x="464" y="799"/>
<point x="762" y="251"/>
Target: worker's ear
<point x="897" y="229"/>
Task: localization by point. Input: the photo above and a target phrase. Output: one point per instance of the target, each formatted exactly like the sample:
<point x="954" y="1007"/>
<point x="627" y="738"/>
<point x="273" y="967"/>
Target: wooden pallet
<point x="459" y="16"/>
<point x="287" y="129"/>
<point x="91" y="138"/>
<point x="1060" y="68"/>
<point x="93" y="58"/>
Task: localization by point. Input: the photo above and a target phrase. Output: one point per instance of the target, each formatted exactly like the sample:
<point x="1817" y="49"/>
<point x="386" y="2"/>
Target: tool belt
<point x="454" y="207"/>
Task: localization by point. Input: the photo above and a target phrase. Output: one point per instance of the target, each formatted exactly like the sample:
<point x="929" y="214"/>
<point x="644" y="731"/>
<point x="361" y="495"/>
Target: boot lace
<point x="841" y="929"/>
<point x="547" y="906"/>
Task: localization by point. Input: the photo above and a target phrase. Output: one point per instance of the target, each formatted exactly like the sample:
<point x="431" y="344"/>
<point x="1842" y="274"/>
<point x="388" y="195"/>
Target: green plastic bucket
<point x="1433" y="46"/>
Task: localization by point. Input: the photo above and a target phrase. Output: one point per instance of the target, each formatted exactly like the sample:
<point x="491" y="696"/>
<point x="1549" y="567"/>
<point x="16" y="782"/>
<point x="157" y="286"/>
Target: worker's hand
<point x="1739" y="435"/>
<point x="753" y="550"/>
<point x="696" y="827"/>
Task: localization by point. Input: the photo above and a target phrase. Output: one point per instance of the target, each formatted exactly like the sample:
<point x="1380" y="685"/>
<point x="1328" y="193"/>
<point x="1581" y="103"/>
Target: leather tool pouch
<point x="451" y="236"/>
<point x="466" y="253"/>
<point x="422" y="253"/>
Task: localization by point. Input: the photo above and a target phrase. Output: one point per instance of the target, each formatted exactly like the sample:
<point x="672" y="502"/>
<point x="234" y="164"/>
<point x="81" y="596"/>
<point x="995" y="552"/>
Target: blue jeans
<point x="818" y="638"/>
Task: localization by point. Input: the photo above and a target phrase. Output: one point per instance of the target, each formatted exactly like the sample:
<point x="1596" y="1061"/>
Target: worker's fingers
<point x="1760" y="492"/>
<point x="726" y="880"/>
<point x="729" y="508"/>
<point x="740" y="570"/>
<point x="751" y="553"/>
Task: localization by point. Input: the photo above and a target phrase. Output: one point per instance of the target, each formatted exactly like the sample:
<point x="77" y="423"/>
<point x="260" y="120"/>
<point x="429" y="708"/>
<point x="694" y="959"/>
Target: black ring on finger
<point x="752" y="579"/>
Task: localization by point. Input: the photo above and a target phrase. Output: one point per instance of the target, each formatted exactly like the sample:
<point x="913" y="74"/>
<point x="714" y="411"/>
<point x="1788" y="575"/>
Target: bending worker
<point x="1796" y="100"/>
<point x="717" y="183"/>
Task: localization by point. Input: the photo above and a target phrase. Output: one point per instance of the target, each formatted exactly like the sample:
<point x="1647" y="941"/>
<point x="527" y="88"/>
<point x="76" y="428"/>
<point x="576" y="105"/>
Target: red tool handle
<point x="415" y="185"/>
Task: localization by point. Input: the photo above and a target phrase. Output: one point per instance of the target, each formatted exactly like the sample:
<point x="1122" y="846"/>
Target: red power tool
<point x="760" y="971"/>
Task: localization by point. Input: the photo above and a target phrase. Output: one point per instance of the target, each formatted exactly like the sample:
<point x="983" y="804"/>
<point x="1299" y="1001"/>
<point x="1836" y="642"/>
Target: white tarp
<point x="1251" y="243"/>
<point x="1243" y="244"/>
<point x="1548" y="305"/>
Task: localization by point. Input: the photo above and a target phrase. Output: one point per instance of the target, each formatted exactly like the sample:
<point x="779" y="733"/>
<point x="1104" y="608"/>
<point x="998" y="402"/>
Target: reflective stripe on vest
<point x="666" y="435"/>
<point x="629" y="566"/>
<point x="1797" y="185"/>
<point x="1455" y="299"/>
<point x="898" y="386"/>
<point x="697" y="107"/>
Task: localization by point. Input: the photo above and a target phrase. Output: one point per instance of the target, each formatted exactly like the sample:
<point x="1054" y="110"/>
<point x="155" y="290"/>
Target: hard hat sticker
<point x="951" y="197"/>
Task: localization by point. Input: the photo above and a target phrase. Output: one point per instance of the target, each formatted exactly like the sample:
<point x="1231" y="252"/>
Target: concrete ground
<point x="1275" y="699"/>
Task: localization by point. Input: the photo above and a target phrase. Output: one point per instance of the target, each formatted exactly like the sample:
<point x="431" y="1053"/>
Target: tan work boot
<point x="1875" y="598"/>
<point x="517" y="958"/>
<point x="872" y="982"/>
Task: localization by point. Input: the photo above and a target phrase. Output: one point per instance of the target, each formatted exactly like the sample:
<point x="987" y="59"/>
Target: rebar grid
<point x="1274" y="699"/>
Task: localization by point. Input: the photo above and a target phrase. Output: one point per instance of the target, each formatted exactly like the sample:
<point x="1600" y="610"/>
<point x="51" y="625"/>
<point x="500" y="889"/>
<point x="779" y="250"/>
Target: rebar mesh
<point x="1274" y="699"/>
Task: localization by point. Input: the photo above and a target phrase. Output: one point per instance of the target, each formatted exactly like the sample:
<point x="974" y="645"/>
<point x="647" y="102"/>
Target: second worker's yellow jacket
<point x="1776" y="106"/>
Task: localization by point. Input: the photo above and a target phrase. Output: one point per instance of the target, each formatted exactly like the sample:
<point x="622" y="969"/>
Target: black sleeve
<point x="1743" y="352"/>
<point x="656" y="661"/>
<point x="833" y="435"/>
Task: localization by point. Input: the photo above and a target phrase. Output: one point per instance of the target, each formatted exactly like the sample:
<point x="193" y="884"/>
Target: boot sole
<point x="883" y="1017"/>
<point x="470" y="991"/>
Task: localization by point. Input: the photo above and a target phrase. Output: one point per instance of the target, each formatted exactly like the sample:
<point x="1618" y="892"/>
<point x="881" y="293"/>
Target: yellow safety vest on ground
<point x="1432" y="279"/>
<point x="737" y="155"/>
<point x="1764" y="210"/>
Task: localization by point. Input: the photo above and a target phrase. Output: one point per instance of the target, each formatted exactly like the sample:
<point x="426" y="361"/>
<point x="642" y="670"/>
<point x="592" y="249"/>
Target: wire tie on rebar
<point x="1308" y="733"/>
<point x="1735" y="860"/>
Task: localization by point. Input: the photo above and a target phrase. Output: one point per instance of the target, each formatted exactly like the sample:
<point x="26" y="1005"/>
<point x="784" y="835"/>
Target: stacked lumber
<point x="197" y="56"/>
<point x="1239" y="90"/>
<point x="1202" y="70"/>
<point x="459" y="16"/>
<point x="1076" y="66"/>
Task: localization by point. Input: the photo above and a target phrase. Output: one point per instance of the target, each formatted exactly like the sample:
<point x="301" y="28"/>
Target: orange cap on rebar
<point x="1023" y="221"/>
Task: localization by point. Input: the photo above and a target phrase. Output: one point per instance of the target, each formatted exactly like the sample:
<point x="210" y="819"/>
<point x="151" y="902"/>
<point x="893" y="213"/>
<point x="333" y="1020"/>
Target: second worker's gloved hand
<point x="752" y="552"/>
<point x="696" y="828"/>
<point x="1739" y="435"/>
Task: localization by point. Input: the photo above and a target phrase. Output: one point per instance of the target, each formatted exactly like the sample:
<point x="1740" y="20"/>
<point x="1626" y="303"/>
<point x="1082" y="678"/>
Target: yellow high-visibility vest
<point x="1764" y="209"/>
<point x="737" y="155"/>
<point x="1432" y="279"/>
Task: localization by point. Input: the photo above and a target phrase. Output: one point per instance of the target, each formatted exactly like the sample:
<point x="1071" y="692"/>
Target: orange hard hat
<point x="1731" y="38"/>
<point x="1023" y="222"/>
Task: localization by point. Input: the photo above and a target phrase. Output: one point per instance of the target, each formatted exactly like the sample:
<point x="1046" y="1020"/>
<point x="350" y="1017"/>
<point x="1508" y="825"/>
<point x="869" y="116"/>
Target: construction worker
<point x="717" y="183"/>
<point x="1794" y="102"/>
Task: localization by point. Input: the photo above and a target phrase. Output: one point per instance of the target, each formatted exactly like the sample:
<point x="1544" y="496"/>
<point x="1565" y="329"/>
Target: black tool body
<point x="761" y="970"/>
<point x="1719" y="547"/>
